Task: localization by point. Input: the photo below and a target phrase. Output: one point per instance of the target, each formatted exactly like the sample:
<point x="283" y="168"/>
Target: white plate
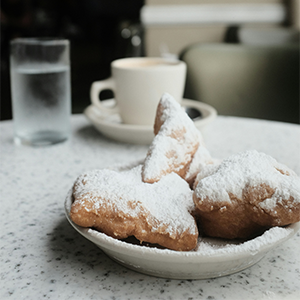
<point x="112" y="126"/>
<point x="213" y="258"/>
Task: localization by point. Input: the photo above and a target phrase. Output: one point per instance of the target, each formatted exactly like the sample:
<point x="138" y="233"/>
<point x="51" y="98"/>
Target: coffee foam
<point x="145" y="63"/>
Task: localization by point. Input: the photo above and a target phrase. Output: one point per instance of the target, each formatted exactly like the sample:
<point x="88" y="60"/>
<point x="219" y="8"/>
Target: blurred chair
<point x="248" y="35"/>
<point x="257" y="81"/>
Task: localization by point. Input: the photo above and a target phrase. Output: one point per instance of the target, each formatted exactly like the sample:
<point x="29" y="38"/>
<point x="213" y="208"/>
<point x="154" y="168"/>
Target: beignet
<point x="247" y="193"/>
<point x="175" y="144"/>
<point x="120" y="204"/>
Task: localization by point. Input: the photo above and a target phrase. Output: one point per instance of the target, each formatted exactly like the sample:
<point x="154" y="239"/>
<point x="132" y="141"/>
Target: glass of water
<point x="40" y="88"/>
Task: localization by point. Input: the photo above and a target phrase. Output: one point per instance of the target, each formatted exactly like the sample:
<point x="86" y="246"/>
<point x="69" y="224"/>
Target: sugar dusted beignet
<point x="175" y="143"/>
<point x="120" y="204"/>
<point x="245" y="194"/>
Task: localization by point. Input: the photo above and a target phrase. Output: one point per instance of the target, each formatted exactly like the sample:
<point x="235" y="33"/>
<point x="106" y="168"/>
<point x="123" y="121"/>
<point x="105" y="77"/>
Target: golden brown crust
<point x="228" y="222"/>
<point x="158" y="118"/>
<point x="100" y="211"/>
<point x="121" y="226"/>
<point x="255" y="205"/>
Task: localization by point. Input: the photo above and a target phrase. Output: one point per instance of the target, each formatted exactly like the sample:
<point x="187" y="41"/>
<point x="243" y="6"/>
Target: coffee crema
<point x="145" y="63"/>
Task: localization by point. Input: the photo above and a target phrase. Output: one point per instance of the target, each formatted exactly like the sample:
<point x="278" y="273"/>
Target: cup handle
<point x="96" y="88"/>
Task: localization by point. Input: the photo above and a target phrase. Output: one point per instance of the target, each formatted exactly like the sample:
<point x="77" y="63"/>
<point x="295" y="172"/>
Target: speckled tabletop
<point x="43" y="257"/>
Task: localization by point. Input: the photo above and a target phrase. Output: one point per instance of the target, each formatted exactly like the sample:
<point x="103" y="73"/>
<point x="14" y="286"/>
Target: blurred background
<point x="94" y="28"/>
<point x="103" y="30"/>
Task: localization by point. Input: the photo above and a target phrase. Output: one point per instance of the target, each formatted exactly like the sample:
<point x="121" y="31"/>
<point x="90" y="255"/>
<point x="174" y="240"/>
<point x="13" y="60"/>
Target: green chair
<point x="253" y="81"/>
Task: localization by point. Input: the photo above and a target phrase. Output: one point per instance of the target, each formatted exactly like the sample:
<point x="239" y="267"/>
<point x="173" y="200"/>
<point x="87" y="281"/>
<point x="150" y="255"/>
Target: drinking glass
<point x="40" y="88"/>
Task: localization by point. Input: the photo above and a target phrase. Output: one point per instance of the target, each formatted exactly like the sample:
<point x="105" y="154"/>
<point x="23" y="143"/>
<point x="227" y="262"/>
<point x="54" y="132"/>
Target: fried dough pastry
<point x="246" y="194"/>
<point x="175" y="144"/>
<point x="120" y="205"/>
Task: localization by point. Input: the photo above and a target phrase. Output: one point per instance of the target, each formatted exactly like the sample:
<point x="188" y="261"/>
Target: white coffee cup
<point x="138" y="84"/>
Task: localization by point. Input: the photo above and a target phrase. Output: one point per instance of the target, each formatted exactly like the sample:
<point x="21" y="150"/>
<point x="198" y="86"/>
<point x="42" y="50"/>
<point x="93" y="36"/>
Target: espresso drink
<point x="138" y="84"/>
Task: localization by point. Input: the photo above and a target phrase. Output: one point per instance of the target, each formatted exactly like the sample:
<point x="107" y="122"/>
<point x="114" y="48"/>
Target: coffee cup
<point x="138" y="84"/>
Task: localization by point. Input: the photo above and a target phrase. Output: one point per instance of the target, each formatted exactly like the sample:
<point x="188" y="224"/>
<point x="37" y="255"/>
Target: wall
<point x="172" y="25"/>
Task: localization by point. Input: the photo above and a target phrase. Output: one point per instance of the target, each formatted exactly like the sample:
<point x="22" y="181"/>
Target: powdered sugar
<point x="175" y="144"/>
<point x="169" y="201"/>
<point x="201" y="158"/>
<point x="208" y="170"/>
<point x="250" y="168"/>
<point x="210" y="246"/>
<point x="162" y="156"/>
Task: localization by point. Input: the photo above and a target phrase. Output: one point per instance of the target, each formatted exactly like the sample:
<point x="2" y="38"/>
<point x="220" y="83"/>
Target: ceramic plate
<point x="112" y="126"/>
<point x="212" y="258"/>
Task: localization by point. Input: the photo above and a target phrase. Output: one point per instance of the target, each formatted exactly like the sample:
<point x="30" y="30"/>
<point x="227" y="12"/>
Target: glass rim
<point x="51" y="41"/>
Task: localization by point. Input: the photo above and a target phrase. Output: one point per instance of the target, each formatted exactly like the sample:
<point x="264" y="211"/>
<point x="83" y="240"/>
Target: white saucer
<point x="213" y="258"/>
<point x="112" y="126"/>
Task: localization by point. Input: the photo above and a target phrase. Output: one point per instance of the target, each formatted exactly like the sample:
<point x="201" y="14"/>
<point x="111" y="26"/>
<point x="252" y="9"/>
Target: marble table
<point x="43" y="257"/>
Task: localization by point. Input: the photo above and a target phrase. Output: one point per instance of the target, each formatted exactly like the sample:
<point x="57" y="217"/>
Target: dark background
<point x="99" y="31"/>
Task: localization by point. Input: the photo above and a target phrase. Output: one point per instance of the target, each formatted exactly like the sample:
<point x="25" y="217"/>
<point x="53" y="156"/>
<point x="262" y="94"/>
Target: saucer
<point x="112" y="127"/>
